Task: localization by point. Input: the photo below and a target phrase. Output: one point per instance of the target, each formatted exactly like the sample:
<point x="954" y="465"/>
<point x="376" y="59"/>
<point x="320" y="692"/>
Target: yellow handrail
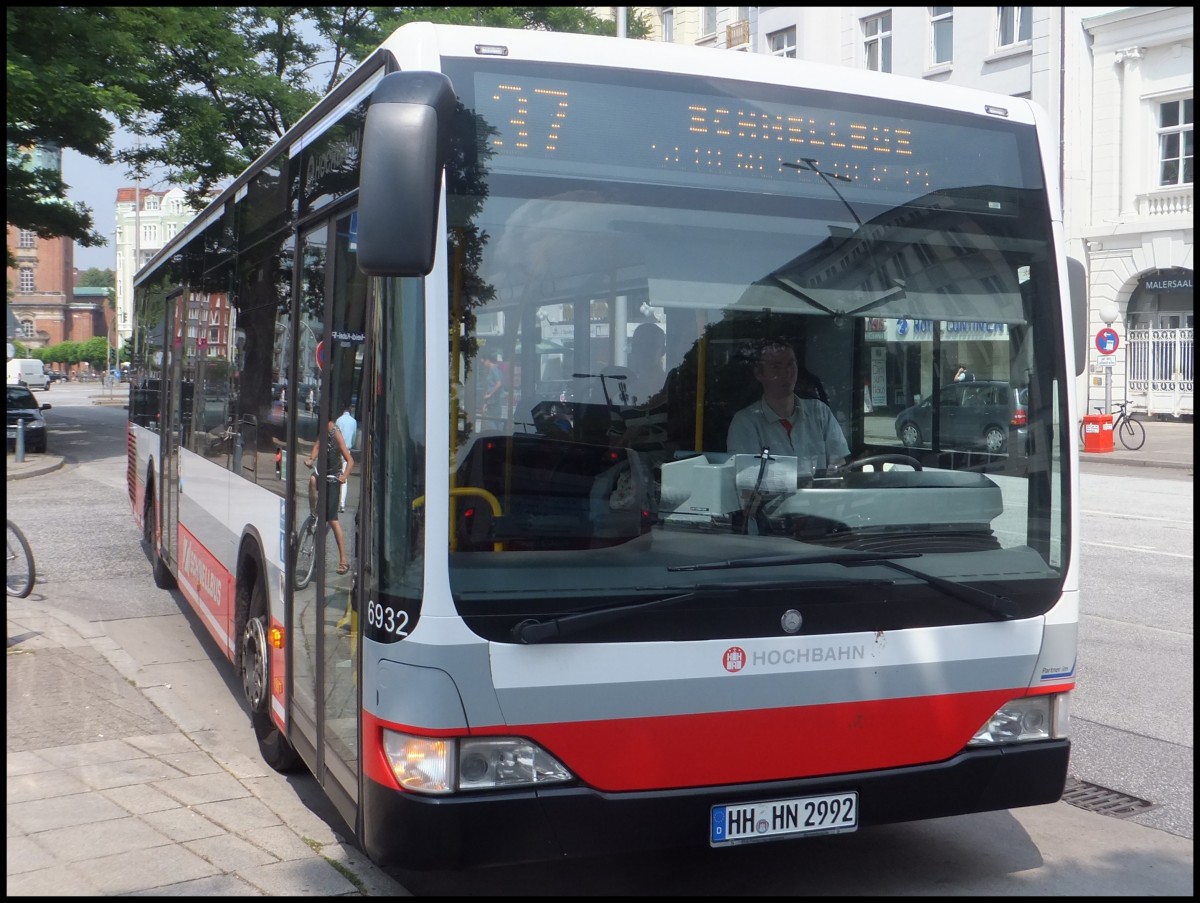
<point x="459" y="491"/>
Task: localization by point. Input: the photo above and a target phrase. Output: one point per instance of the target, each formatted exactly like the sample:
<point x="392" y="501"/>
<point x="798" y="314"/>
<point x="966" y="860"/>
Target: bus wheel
<point x="256" y="682"/>
<point x="163" y="578"/>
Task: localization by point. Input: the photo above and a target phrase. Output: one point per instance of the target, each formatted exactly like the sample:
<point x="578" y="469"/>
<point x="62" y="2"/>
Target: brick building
<point x="45" y="305"/>
<point x="43" y="298"/>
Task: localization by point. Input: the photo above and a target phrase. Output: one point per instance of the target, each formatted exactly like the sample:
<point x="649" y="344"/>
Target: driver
<point x="781" y="420"/>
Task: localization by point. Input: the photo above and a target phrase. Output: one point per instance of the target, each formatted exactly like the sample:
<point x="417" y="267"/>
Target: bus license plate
<point x="832" y="813"/>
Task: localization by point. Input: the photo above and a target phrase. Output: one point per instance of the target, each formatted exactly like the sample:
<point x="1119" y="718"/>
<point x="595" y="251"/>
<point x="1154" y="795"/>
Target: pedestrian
<point x="332" y="452"/>
<point x="349" y="428"/>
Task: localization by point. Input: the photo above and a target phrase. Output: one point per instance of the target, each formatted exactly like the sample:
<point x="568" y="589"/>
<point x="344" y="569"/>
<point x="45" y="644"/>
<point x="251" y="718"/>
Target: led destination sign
<point x="665" y="135"/>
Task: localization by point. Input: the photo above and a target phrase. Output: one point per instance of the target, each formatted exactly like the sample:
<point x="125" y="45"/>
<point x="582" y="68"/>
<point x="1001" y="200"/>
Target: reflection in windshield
<point x="572" y="446"/>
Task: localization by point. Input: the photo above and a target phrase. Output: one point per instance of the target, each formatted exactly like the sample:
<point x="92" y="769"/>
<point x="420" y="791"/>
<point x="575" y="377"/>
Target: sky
<point x="95" y="184"/>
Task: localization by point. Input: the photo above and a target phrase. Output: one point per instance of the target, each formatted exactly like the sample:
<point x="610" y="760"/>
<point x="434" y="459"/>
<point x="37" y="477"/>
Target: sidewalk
<point x="114" y="787"/>
<point x="1168" y="444"/>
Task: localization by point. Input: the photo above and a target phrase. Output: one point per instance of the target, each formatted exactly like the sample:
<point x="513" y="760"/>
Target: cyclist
<point x="336" y="459"/>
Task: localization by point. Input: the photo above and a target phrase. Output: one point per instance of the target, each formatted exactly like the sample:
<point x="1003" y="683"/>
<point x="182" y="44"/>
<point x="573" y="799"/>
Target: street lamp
<point x="1109" y="312"/>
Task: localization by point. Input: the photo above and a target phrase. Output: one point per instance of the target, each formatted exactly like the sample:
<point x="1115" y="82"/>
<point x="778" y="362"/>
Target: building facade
<point x="1117" y="83"/>
<point x="44" y="304"/>
<point x="146" y="220"/>
<point x="44" y="301"/>
<point x="1138" y="231"/>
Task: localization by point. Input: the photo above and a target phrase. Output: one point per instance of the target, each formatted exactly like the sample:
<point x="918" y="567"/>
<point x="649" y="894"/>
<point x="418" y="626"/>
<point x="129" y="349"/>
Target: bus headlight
<point x="441" y="765"/>
<point x="1027" y="719"/>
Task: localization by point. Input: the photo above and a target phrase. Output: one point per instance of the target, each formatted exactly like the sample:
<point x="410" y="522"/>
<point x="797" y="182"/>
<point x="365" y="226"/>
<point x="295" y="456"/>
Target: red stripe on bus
<point x="742" y="747"/>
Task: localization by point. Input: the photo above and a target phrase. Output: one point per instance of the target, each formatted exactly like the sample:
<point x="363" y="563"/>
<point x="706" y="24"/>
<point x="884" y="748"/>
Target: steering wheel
<point x="890" y="458"/>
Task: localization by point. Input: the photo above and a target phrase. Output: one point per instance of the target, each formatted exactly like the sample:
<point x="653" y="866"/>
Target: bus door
<point x="172" y="426"/>
<point x="324" y="622"/>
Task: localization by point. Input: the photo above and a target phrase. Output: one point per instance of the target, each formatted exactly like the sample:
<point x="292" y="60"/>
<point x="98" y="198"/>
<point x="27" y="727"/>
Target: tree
<point x="95" y="277"/>
<point x="227" y="82"/>
<point x="67" y="67"/>
<point x="207" y="89"/>
<point x="95" y="352"/>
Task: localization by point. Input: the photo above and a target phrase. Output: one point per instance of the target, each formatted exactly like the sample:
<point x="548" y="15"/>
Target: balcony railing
<point x="737" y="34"/>
<point x="1166" y="202"/>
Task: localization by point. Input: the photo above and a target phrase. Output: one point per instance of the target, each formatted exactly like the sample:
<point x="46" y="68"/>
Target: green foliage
<point x="95" y="352"/>
<point x="207" y="89"/>
<point x="95" y="277"/>
<point x="221" y="85"/>
<point x="67" y="67"/>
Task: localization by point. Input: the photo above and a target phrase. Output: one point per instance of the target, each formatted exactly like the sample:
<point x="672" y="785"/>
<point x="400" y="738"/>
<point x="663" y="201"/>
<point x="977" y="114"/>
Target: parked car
<point x="973" y="414"/>
<point x="54" y="376"/>
<point x="20" y="405"/>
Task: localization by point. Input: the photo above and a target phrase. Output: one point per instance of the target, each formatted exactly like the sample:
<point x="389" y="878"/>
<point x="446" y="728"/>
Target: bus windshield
<point x="635" y="264"/>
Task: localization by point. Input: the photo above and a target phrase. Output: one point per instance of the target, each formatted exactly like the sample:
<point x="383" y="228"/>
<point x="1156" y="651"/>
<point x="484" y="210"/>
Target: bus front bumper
<point x="420" y="832"/>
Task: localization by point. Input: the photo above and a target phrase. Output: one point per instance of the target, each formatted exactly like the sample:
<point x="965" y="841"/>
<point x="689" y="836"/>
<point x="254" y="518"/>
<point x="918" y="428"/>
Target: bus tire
<point x="254" y="661"/>
<point x="163" y="578"/>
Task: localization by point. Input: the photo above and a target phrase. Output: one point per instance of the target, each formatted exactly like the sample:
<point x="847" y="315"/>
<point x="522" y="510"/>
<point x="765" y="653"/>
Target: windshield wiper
<point x="1000" y="607"/>
<point x="532" y="630"/>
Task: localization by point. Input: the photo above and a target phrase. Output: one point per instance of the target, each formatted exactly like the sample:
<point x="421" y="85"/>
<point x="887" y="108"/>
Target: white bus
<point x="570" y="606"/>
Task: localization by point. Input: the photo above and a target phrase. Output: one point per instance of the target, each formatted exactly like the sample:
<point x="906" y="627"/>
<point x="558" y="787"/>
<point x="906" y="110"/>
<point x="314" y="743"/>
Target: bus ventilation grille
<point x="1094" y="798"/>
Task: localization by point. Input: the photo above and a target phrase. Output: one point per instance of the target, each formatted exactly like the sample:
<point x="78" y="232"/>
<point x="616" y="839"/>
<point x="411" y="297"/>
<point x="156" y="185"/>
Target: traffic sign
<point x="1107" y="340"/>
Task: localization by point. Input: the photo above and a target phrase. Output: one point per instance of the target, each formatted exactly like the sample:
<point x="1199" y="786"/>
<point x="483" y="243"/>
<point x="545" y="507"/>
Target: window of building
<point x="941" y="34"/>
<point x="26" y="239"/>
<point x="26" y="329"/>
<point x="25" y="280"/>
<point x="175" y="205"/>
<point x="708" y="20"/>
<point x="1176" y="142"/>
<point x="877" y="43"/>
<point x="1014" y="25"/>
<point x="172" y="229"/>
<point x="149" y="232"/>
<point x="668" y="25"/>
<point x="783" y="43"/>
<point x="152" y="203"/>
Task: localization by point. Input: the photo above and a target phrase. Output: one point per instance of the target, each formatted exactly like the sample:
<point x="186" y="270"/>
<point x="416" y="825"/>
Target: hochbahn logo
<point x="199" y="573"/>
<point x="735" y="658"/>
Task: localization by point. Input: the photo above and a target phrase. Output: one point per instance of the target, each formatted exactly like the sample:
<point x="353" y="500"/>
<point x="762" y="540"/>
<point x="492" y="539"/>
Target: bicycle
<point x="306" y="539"/>
<point x="1131" y="432"/>
<point x="20" y="572"/>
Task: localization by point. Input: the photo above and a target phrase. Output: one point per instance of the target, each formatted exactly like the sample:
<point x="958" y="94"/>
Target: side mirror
<point x="404" y="146"/>
<point x="1077" y="286"/>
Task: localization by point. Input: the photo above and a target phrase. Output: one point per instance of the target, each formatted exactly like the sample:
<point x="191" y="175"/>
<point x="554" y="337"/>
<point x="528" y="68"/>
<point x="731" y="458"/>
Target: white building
<point x="1117" y="81"/>
<point x="1138" y="225"/>
<point x="146" y="221"/>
